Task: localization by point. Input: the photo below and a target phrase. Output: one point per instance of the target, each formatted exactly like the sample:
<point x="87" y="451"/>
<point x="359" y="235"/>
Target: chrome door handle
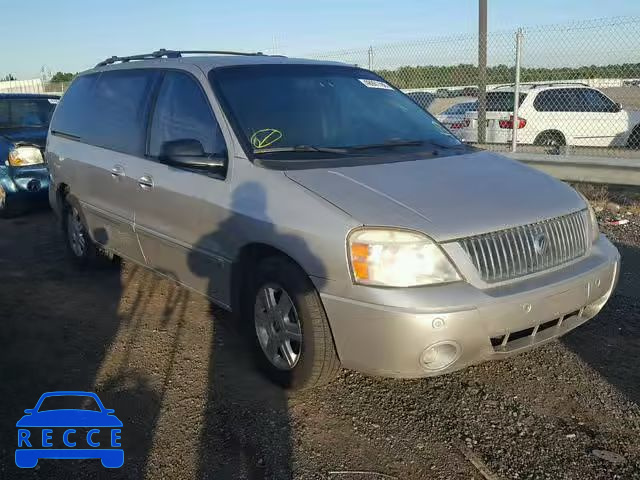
<point x="146" y="182"/>
<point x="117" y="171"/>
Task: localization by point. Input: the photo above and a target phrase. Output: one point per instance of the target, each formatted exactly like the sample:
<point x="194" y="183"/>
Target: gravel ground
<point x="177" y="374"/>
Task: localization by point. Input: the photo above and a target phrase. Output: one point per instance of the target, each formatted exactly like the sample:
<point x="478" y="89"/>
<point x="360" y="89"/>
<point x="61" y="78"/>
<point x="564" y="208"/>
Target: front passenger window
<point x="594" y="101"/>
<point x="182" y="112"/>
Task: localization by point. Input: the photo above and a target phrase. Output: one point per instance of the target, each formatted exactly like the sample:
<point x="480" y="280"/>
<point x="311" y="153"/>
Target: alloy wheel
<point x="76" y="233"/>
<point x="277" y="326"/>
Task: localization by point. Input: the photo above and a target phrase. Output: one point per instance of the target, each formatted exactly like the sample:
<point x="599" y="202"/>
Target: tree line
<point x="430" y="76"/>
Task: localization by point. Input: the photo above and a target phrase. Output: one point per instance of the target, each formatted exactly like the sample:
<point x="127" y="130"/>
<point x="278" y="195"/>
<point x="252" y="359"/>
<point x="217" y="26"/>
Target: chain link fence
<point x="578" y="89"/>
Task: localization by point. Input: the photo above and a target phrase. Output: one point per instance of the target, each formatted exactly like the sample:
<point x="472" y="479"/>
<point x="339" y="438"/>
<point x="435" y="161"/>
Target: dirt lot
<point x="177" y="375"/>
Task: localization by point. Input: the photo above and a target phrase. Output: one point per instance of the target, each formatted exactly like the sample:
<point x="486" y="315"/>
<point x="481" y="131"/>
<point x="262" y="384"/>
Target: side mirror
<point x="109" y="411"/>
<point x="189" y="153"/>
<point x="618" y="107"/>
<point x="29" y="411"/>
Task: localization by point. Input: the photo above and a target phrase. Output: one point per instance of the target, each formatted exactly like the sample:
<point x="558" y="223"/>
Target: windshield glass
<point x="461" y="108"/>
<point x="288" y="106"/>
<point x="502" y="101"/>
<point x="26" y="112"/>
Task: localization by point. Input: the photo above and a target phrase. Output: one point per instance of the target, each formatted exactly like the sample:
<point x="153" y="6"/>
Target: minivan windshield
<point x="320" y="110"/>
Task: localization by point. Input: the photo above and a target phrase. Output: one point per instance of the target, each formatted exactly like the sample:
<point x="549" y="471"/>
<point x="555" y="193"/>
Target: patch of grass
<point x="603" y="196"/>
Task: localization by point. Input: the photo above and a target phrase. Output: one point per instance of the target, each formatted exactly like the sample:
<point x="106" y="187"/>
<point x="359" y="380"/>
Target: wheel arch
<point x="634" y="137"/>
<point x="60" y="199"/>
<point x="248" y="257"/>
<point x="551" y="131"/>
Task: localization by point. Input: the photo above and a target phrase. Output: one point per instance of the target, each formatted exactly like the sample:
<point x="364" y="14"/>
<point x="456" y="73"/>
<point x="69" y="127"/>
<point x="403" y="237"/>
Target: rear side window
<point x="109" y="110"/>
<point x="182" y="112"/>
<point x="121" y="105"/>
<point x="558" y="100"/>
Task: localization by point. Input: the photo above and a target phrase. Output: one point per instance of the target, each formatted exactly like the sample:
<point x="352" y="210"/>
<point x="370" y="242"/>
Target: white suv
<point x="556" y="115"/>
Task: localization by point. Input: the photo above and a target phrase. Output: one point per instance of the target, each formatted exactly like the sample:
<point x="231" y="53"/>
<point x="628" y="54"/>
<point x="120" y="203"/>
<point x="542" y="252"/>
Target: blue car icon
<point x="36" y="429"/>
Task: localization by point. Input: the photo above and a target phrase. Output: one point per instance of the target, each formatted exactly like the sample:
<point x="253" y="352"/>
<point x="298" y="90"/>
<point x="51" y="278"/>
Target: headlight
<point x="397" y="258"/>
<point x="594" y="230"/>
<point x="21" y="156"/>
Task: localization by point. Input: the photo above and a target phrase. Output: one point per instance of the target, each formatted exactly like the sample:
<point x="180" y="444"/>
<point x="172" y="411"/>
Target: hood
<point x="445" y="197"/>
<point x="36" y="136"/>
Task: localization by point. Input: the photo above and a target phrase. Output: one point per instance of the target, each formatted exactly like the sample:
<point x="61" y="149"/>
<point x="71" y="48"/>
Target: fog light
<point x="440" y="355"/>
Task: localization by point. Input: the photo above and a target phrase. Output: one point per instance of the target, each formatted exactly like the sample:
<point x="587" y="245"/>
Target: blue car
<point x="36" y="432"/>
<point x="24" y="179"/>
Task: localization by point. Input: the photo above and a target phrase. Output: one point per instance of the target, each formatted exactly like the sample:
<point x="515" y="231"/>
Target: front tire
<point x="634" y="139"/>
<point x="292" y="341"/>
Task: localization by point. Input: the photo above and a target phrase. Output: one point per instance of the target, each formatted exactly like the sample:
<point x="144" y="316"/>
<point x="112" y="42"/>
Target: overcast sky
<point x="73" y="35"/>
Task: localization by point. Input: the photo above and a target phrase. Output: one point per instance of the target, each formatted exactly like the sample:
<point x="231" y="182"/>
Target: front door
<point x="171" y="202"/>
<point x="608" y="123"/>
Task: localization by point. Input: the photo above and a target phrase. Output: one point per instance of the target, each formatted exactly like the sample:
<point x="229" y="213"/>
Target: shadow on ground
<point x="177" y="371"/>
<point x="247" y="426"/>
<point x="610" y="343"/>
<point x="59" y="326"/>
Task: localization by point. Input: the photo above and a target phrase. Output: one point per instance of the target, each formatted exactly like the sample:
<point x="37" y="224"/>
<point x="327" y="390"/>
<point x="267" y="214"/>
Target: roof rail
<point x="543" y="84"/>
<point x="171" y="54"/>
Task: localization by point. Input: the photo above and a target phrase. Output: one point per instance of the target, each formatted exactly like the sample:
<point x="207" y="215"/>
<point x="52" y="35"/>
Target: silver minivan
<point x="340" y="221"/>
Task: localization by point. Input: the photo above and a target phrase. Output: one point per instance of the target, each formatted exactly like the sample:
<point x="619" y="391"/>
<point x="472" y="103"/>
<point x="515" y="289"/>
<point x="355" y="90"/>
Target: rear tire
<point x="291" y="337"/>
<point x="553" y="140"/>
<point x="81" y="248"/>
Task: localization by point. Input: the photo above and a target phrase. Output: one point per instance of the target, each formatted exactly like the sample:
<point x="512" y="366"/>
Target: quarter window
<point x="182" y="112"/>
<point x="74" y="110"/>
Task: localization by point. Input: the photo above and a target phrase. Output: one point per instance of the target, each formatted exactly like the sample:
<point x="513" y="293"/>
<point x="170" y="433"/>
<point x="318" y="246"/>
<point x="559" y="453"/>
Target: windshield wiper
<point x="302" y="149"/>
<point x="407" y="143"/>
<point x="17" y="127"/>
<point x="388" y="144"/>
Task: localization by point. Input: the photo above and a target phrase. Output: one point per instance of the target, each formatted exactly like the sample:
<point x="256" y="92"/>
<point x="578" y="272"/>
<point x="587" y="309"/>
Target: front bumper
<point x="485" y="324"/>
<point x="26" y="187"/>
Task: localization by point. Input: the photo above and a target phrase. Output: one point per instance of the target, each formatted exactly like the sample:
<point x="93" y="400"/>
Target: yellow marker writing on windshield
<point x="265" y="137"/>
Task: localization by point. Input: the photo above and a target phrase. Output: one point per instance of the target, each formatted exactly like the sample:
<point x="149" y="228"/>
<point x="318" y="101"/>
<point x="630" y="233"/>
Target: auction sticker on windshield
<point x="265" y="137"/>
<point x="375" y="84"/>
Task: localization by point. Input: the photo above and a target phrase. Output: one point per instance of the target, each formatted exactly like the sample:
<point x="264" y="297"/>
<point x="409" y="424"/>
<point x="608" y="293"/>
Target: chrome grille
<point x="520" y="251"/>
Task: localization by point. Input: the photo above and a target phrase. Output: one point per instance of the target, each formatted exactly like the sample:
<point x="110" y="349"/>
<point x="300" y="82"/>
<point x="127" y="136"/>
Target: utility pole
<point x="516" y="93"/>
<point x="482" y="71"/>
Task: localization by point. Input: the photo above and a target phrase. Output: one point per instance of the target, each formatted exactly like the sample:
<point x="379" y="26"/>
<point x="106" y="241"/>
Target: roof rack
<point x="171" y="54"/>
